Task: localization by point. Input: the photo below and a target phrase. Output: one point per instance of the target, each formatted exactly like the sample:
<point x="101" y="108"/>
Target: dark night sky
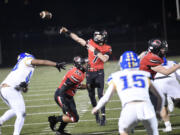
<point x="81" y="13"/>
<point x="132" y="22"/>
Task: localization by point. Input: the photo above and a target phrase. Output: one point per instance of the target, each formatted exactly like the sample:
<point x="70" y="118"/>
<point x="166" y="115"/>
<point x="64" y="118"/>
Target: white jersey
<point x="21" y="72"/>
<point x="169" y="64"/>
<point x="168" y="85"/>
<point x="131" y="85"/>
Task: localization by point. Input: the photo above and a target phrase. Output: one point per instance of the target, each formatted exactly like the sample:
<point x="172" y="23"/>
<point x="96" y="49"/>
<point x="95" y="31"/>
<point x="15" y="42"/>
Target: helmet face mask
<point x="80" y="63"/>
<point x="129" y="60"/>
<point x="100" y="37"/>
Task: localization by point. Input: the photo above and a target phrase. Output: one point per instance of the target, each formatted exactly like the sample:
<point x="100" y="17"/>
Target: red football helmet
<point x="155" y="46"/>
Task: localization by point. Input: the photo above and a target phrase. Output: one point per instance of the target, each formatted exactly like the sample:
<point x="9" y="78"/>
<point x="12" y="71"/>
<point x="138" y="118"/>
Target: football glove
<point x="23" y="86"/>
<point x="60" y="66"/>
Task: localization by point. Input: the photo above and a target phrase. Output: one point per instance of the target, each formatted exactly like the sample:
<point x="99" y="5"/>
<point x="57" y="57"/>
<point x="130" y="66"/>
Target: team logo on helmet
<point x="128" y="60"/>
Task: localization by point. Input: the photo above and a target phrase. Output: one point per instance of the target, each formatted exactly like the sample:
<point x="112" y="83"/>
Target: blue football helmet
<point x="23" y="55"/>
<point x="129" y="60"/>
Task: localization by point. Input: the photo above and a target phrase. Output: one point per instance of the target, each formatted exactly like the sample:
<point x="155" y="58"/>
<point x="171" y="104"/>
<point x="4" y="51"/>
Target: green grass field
<point x="40" y="104"/>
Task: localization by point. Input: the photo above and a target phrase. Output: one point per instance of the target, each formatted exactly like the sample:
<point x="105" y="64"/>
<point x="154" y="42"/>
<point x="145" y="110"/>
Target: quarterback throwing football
<point x="98" y="54"/>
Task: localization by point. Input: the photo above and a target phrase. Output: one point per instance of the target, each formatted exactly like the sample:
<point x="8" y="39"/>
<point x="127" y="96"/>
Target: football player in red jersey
<point x="64" y="96"/>
<point x="98" y="54"/>
<point x="153" y="59"/>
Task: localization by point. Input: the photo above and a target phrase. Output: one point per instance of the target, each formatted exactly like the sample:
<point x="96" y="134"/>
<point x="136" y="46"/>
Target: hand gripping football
<point x="45" y="15"/>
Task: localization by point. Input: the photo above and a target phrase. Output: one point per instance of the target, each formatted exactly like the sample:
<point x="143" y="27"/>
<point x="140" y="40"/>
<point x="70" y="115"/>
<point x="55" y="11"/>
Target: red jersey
<point x="150" y="60"/>
<point x="94" y="62"/>
<point x="76" y="76"/>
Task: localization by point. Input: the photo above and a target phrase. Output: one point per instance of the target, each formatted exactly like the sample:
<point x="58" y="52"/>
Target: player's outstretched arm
<point x="72" y="35"/>
<point x="104" y="99"/>
<point x="165" y="71"/>
<point x="40" y="62"/>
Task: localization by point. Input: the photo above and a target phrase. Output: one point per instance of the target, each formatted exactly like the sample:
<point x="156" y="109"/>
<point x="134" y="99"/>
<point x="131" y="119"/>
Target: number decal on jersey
<point x="124" y="78"/>
<point x="95" y="59"/>
<point x="138" y="81"/>
<point x="77" y="72"/>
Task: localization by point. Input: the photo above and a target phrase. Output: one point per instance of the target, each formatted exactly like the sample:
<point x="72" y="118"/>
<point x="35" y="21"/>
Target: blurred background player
<point x="152" y="61"/>
<point x="17" y="81"/>
<point x="98" y="54"/>
<point x="64" y="96"/>
<point x="170" y="87"/>
<point x="132" y="86"/>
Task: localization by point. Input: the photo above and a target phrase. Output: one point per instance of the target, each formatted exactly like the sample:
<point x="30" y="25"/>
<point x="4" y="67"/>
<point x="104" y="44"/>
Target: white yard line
<point x="36" y="95"/>
<point x="35" y="106"/>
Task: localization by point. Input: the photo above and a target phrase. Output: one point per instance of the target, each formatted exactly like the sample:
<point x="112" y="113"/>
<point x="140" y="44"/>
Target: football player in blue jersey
<point x="17" y="82"/>
<point x="132" y="87"/>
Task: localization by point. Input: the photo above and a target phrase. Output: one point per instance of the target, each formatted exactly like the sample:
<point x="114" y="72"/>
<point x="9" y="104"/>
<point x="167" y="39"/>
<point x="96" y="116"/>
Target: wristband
<point x="67" y="33"/>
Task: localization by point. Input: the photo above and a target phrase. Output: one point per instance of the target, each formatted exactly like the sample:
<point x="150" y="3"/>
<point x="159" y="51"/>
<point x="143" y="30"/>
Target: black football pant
<point x="67" y="104"/>
<point x="95" y="80"/>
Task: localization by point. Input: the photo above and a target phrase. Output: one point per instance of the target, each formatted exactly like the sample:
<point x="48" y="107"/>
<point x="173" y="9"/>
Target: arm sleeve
<point x="106" y="97"/>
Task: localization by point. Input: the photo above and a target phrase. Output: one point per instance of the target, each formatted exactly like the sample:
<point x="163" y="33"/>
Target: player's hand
<point x="61" y="65"/>
<point x="23" y="86"/>
<point x="94" y="110"/>
<point x="45" y="15"/>
<point x="82" y="86"/>
<point x="63" y="30"/>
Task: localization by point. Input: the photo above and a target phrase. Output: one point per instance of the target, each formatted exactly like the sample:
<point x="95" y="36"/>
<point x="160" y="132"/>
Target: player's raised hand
<point x="45" y="15"/>
<point x="63" y="30"/>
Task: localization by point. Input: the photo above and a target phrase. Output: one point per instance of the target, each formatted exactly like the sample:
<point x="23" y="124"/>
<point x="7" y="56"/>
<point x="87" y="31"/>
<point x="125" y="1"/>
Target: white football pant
<point x="136" y="112"/>
<point x="15" y="101"/>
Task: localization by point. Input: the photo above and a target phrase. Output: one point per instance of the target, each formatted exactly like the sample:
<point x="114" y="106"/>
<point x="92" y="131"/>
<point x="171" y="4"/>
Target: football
<point x="45" y="15"/>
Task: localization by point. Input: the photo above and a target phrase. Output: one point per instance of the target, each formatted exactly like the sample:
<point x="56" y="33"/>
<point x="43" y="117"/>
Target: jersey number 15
<point x="138" y="81"/>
